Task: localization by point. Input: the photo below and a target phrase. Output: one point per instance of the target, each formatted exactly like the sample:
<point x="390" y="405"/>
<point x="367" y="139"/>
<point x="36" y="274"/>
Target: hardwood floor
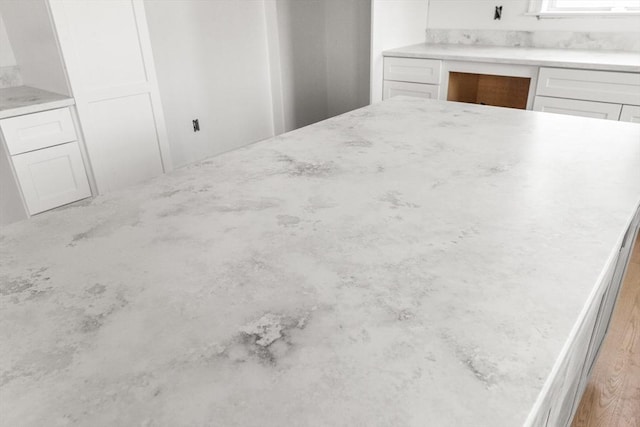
<point x="612" y="397"/>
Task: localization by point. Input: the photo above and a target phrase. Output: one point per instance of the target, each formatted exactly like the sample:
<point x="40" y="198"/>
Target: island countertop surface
<point x="411" y="263"/>
<point x="608" y="60"/>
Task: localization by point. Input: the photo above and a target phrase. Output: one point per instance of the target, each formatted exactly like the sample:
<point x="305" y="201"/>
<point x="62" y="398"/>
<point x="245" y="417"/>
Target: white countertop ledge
<point x="411" y="263"/>
<point x="20" y="100"/>
<point x="563" y="58"/>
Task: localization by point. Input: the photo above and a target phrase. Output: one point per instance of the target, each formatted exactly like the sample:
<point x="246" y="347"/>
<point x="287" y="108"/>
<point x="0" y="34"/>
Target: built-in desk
<point x="597" y="84"/>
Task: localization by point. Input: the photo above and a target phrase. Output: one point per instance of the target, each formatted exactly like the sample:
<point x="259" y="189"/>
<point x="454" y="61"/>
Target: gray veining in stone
<point x="625" y="41"/>
<point x="411" y="263"/>
<point x="566" y="58"/>
<point x="15" y="101"/>
<point x="10" y="76"/>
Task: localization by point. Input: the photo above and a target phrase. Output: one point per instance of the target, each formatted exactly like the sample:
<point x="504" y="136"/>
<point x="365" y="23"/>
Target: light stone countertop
<point x="564" y="58"/>
<point x="19" y="100"/>
<point x="411" y="263"/>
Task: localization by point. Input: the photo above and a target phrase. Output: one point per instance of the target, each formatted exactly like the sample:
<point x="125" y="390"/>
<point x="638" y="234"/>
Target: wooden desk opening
<point x="485" y="89"/>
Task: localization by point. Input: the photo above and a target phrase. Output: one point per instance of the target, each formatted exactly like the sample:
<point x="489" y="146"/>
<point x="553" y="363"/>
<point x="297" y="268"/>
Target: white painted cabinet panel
<point x="34" y="131"/>
<point x="51" y="177"/>
<point x="107" y="51"/>
<point x="573" y="107"/>
<point x="392" y="89"/>
<point x="630" y="113"/>
<point x="415" y="70"/>
<point x="588" y="85"/>
<point x="124" y="138"/>
<point x="102" y="32"/>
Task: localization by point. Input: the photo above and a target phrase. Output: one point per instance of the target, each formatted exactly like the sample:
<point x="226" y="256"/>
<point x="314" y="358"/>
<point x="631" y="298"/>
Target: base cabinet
<point x="587" y="93"/>
<point x="412" y="77"/>
<point x="609" y="95"/>
<point x="45" y="167"/>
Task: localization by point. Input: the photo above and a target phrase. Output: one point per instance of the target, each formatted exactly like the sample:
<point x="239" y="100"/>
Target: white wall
<point x="7" y="58"/>
<point x="348" y="42"/>
<point x="478" y="15"/>
<point x="395" y="23"/>
<point x="301" y="35"/>
<point x="35" y="44"/>
<point x="321" y="67"/>
<point x="212" y="64"/>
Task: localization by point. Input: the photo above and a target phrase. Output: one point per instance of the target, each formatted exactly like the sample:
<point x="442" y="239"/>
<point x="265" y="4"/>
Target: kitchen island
<point x="411" y="263"/>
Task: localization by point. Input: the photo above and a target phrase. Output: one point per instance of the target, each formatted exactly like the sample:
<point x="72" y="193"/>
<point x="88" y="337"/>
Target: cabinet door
<point x="630" y="113"/>
<point x="107" y="51"/>
<point x="572" y="107"/>
<point x="51" y="177"/>
<point x="392" y="89"/>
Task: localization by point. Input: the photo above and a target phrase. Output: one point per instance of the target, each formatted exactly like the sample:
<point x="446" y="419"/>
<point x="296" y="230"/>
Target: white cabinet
<point x="43" y="151"/>
<point x="588" y="85"/>
<point x="430" y="78"/>
<point x="51" y="177"/>
<point x="610" y="95"/>
<point x="588" y="93"/>
<point x="412" y="77"/>
<point x="630" y="113"/>
<point x="106" y="49"/>
<point x="597" y="110"/>
<point x="392" y="89"/>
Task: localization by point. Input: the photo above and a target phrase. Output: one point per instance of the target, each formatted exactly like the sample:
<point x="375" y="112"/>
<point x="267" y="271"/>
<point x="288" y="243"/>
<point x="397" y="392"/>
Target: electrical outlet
<point x="497" y="15"/>
<point x="196" y="125"/>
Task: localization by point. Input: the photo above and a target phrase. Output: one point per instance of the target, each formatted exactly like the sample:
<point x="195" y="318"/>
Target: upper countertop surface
<point x="566" y="58"/>
<point x="19" y="100"/>
<point x="411" y="261"/>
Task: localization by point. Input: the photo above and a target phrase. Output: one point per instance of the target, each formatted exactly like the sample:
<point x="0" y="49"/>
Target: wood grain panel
<point x="612" y="396"/>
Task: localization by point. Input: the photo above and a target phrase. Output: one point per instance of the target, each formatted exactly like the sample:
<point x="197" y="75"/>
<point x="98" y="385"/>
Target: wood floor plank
<point x="612" y="396"/>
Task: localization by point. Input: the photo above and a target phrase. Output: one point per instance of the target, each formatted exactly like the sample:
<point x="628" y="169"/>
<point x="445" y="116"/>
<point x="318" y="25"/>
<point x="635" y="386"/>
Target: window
<point x="584" y="7"/>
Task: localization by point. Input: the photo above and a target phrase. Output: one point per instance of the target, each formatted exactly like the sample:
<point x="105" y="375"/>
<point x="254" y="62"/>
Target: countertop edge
<point x="406" y="52"/>
<point x="591" y="299"/>
<point x="36" y="108"/>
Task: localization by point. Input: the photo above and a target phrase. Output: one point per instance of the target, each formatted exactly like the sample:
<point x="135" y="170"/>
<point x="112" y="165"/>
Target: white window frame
<point x="548" y="9"/>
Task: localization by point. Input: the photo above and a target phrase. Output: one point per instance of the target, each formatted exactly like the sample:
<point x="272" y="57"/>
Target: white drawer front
<point x="602" y="86"/>
<point x="51" y="177"/>
<point x="39" y="130"/>
<point x="392" y="89"/>
<point x="416" y="70"/>
<point x="572" y="107"/>
<point x="630" y="113"/>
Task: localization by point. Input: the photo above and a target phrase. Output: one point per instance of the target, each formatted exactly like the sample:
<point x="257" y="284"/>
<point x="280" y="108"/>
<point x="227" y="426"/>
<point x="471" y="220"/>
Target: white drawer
<point x="420" y="90"/>
<point x="572" y="107"/>
<point x="51" y="177"/>
<point x="415" y="70"/>
<point x="38" y="130"/>
<point x="602" y="86"/>
<point x="630" y="113"/>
